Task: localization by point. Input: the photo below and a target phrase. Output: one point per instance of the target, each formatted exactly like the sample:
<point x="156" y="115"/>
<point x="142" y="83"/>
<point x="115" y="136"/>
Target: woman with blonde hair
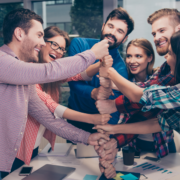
<point x="140" y="60"/>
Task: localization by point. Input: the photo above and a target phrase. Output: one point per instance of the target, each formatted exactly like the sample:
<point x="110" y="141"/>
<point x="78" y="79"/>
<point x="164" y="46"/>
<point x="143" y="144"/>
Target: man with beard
<point x="164" y="23"/>
<point x="23" y="39"/>
<point x="83" y="95"/>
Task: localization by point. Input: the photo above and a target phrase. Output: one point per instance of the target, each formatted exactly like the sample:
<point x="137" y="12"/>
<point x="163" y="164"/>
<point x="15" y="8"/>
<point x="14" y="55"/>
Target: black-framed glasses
<point x="57" y="48"/>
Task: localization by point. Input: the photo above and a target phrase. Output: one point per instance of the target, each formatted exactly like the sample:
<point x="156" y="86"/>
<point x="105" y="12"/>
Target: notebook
<point x="50" y="172"/>
<point x="60" y="149"/>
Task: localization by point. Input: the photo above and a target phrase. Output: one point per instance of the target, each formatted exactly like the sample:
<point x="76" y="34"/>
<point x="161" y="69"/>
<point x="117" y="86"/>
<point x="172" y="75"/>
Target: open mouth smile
<point x="52" y="56"/>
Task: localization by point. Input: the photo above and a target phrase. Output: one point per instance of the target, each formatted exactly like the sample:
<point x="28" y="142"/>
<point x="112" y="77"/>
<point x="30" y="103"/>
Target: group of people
<point x="142" y="109"/>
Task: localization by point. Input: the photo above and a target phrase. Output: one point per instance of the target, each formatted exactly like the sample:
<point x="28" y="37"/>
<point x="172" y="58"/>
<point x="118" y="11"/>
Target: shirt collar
<point x="7" y="50"/>
<point x="133" y="79"/>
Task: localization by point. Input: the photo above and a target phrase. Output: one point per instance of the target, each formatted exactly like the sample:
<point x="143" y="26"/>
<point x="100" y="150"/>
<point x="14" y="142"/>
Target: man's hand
<point x="106" y="106"/>
<point x="108" y="150"/>
<point x="107" y="61"/>
<point x="101" y="92"/>
<point x="104" y="93"/>
<point x="103" y="71"/>
<point x="94" y="93"/>
<point x="107" y="128"/>
<point x="101" y="119"/>
<point x="109" y="170"/>
<point x="100" y="49"/>
<point x="105" y="82"/>
<point x="95" y="137"/>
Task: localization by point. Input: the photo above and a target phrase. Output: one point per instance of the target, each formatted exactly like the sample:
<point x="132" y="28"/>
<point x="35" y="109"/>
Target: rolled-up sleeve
<point x="163" y="97"/>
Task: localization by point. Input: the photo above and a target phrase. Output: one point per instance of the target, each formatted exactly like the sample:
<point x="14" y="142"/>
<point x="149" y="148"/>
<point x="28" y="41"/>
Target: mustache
<point x="112" y="36"/>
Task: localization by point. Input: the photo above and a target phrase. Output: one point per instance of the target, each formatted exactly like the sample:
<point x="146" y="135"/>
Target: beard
<point x="162" y="50"/>
<point x="27" y="52"/>
<point x="111" y="45"/>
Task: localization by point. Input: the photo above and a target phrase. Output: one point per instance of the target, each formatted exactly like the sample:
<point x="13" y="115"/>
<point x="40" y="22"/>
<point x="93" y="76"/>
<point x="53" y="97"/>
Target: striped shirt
<point x="167" y="98"/>
<point x="18" y="97"/>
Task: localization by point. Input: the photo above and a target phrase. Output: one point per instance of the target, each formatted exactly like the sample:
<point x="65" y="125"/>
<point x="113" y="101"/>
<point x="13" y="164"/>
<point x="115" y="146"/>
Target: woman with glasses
<point x="56" y="43"/>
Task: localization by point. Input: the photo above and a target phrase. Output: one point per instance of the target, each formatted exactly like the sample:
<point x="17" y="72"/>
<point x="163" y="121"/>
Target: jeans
<point x="0" y="175"/>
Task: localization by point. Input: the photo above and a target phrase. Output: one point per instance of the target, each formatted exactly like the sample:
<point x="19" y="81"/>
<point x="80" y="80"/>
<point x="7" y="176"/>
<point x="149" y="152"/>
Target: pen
<point x="49" y="150"/>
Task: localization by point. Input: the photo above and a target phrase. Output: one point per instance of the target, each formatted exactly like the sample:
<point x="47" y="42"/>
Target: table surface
<point x="90" y="165"/>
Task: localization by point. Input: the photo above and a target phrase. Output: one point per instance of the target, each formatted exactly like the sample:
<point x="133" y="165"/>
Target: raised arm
<point x="64" y="112"/>
<point x="144" y="127"/>
<point x="129" y="89"/>
<point x="14" y="71"/>
<point x="38" y="110"/>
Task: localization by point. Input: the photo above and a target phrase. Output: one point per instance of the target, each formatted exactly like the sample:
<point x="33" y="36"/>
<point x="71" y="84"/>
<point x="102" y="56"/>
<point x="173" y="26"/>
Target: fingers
<point x="100" y="49"/>
<point x="106" y="106"/>
<point x="101" y="168"/>
<point x="104" y="136"/>
<point x="100" y="131"/>
<point x="96" y="148"/>
<point x="103" y="71"/>
<point x="102" y="106"/>
<point x="107" y="61"/>
<point x="109" y="170"/>
<point x="108" y="128"/>
<point x="102" y="141"/>
<point x="99" y="128"/>
<point x="104" y="93"/>
<point x="109" y="156"/>
<point x="105" y="82"/>
<point x="112" y="144"/>
<point x="105" y="118"/>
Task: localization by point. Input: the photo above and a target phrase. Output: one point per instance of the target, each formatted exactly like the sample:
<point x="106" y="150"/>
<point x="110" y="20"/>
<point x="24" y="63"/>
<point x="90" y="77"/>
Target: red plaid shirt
<point x="132" y="113"/>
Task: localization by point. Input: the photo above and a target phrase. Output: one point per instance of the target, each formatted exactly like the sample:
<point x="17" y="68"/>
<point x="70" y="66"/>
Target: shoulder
<point x="84" y="41"/>
<point x="79" y="45"/>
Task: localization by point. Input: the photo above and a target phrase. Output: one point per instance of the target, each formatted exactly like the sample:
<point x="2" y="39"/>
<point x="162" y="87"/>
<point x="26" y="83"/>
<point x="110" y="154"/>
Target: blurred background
<point x="84" y="18"/>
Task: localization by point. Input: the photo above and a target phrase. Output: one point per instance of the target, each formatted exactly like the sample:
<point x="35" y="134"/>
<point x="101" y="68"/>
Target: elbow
<point x="136" y="98"/>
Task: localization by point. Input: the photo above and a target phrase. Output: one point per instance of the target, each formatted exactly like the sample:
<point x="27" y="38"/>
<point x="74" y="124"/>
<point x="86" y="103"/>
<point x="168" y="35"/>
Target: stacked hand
<point x="107" y="152"/>
<point x="106" y="149"/>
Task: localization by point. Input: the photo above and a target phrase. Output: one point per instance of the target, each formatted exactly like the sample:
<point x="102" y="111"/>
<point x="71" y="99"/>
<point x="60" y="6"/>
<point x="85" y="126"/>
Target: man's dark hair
<point x="122" y="14"/>
<point x="18" y="18"/>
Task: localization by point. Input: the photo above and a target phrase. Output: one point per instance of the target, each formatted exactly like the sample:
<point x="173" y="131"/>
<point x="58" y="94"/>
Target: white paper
<point x="152" y="170"/>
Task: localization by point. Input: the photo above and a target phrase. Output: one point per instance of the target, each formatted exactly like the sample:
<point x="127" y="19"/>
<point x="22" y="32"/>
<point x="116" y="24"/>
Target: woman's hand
<point x="108" y="128"/>
<point x="101" y="119"/>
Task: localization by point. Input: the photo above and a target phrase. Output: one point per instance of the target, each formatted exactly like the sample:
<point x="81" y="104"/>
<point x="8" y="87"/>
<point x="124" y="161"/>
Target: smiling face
<point x="47" y="54"/>
<point x="114" y="31"/>
<point x="137" y="61"/>
<point x="162" y="30"/>
<point x="32" y="43"/>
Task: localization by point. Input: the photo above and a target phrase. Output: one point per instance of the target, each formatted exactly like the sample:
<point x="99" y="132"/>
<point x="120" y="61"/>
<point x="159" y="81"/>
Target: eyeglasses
<point x="57" y="48"/>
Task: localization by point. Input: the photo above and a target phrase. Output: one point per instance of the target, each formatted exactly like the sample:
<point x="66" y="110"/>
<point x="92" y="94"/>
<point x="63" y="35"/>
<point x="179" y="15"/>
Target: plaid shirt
<point x="133" y="114"/>
<point x="164" y="98"/>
